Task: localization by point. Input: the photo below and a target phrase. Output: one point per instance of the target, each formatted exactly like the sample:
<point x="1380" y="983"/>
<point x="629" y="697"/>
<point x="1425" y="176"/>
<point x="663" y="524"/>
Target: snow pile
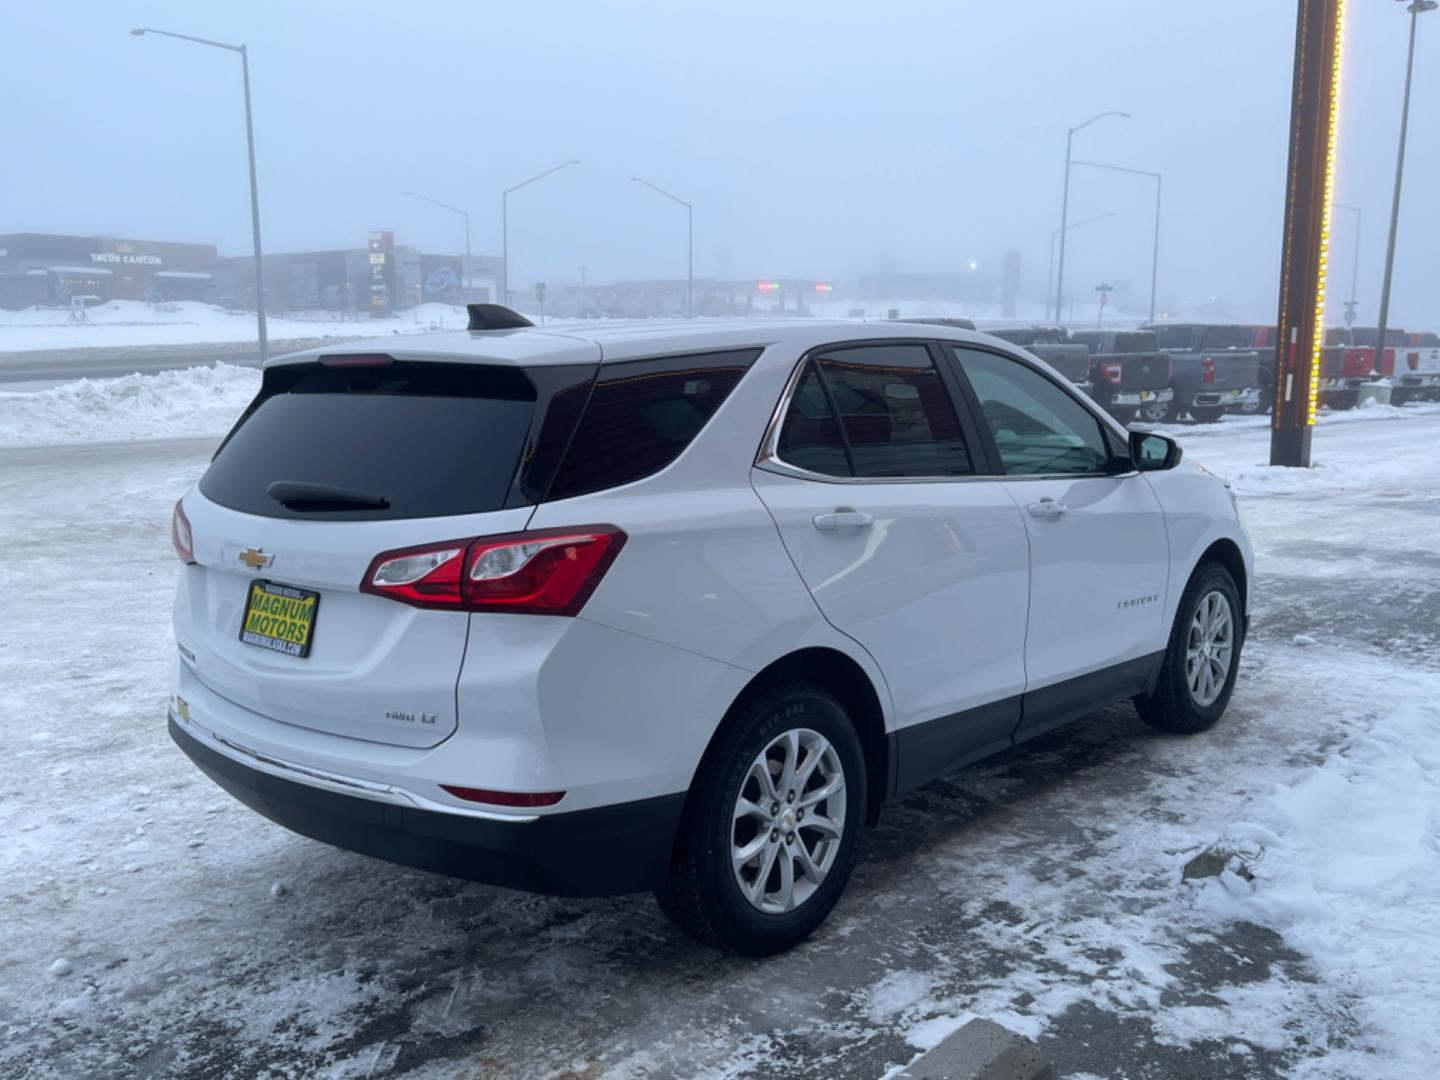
<point x="1346" y="864"/>
<point x="195" y="402"/>
<point x="129" y="323"/>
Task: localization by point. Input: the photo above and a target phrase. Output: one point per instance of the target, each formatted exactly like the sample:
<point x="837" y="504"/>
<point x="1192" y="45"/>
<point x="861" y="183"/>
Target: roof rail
<point x="495" y="317"/>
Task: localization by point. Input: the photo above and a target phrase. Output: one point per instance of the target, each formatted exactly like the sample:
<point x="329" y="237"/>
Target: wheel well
<point x="833" y="671"/>
<point x="1227" y="554"/>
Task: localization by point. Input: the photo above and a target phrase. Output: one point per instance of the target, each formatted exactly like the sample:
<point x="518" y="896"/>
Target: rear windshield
<point x="1174" y="337"/>
<point x="1139" y="341"/>
<point x="1365" y="336"/>
<point x="428" y="439"/>
<point x="1226" y="337"/>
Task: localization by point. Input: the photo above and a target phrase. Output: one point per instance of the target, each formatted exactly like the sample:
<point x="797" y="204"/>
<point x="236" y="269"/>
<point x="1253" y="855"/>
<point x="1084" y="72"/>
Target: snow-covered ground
<point x="1257" y="901"/>
<point x="129" y="323"/>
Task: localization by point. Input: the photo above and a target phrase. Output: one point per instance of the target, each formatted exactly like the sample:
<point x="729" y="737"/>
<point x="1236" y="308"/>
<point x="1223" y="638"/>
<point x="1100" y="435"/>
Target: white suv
<point x="647" y="606"/>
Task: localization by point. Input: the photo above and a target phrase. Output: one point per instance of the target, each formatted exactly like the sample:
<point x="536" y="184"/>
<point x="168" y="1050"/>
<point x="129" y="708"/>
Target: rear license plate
<point x="1147" y="395"/>
<point x="279" y="617"/>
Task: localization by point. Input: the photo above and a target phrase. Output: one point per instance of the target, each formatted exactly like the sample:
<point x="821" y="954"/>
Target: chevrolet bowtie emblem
<point x="255" y="558"/>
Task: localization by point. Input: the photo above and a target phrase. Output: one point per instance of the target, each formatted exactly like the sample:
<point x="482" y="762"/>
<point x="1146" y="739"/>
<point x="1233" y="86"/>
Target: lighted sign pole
<point x="1301" y="320"/>
<point x="244" y="54"/>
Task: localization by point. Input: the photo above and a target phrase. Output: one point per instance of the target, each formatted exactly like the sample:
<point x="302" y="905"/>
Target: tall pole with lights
<point x="505" y="226"/>
<point x="1065" y="201"/>
<point x="689" y="244"/>
<point x="1314" y="106"/>
<point x="262" y="337"/>
<point x="1415" y="7"/>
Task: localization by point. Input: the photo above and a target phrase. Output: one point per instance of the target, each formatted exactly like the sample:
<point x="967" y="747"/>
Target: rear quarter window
<point x="642" y="414"/>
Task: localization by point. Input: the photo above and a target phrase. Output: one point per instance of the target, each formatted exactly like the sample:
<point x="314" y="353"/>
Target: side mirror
<point x="1152" y="452"/>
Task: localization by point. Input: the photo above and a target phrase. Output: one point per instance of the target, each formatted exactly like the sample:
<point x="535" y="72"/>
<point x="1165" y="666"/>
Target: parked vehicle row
<point x="1164" y="372"/>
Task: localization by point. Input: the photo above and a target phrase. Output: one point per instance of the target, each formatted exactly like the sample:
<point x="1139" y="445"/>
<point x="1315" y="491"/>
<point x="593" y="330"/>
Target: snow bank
<point x="1346" y="864"/>
<point x="199" y="401"/>
<point x="130" y="323"/>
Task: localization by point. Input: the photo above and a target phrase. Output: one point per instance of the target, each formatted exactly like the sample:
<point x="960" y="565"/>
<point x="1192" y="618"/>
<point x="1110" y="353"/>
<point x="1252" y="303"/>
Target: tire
<point x="1173" y="705"/>
<point x="1340" y="400"/>
<point x="1209" y="415"/>
<point x="1400" y="397"/>
<point x="704" y="895"/>
<point x="1160" y="412"/>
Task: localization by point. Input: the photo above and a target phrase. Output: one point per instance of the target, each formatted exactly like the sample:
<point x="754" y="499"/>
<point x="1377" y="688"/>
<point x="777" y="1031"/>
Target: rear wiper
<point x="305" y="495"/>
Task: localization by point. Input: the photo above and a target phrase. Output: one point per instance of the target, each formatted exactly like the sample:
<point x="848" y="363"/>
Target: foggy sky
<point x="814" y="139"/>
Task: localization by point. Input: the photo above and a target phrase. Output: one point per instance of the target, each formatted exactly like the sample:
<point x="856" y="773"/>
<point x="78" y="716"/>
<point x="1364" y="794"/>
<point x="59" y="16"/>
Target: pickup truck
<point x="1128" y="370"/>
<point x="1346" y="365"/>
<point x="1053" y="345"/>
<point x="1410" y="361"/>
<point x="1215" y="368"/>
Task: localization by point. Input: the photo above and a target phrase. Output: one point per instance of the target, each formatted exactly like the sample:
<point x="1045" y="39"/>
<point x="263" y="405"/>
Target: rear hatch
<point x="1072" y="361"/>
<point x="1235" y="363"/>
<point x="1345" y="362"/>
<point x="331" y="466"/>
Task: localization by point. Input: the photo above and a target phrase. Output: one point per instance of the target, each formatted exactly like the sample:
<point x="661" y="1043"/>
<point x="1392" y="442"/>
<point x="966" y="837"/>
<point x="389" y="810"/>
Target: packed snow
<point x="126" y="323"/>
<point x="1256" y="901"/>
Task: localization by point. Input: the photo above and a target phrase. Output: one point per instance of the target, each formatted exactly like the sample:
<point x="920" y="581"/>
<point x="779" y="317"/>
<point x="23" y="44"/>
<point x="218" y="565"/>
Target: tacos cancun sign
<point x="125" y="257"/>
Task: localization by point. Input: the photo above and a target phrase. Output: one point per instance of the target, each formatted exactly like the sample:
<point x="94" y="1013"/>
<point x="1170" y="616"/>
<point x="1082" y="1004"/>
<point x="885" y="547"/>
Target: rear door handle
<point x="843" y="518"/>
<point x="1047" y="508"/>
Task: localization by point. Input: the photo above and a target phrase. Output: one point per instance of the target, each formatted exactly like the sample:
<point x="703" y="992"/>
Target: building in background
<point x="42" y="268"/>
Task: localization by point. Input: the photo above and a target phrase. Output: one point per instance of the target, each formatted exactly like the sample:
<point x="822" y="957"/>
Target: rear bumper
<point x="602" y="851"/>
<point x="1141" y="397"/>
<point x="1206" y="399"/>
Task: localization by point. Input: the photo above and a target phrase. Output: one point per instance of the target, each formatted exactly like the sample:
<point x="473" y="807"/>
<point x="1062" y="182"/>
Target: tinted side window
<point x="1038" y="427"/>
<point x="810" y="435"/>
<point x="896" y="417"/>
<point x="641" y="414"/>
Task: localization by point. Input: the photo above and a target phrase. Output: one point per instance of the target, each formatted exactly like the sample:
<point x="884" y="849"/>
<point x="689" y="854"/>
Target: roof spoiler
<point x="495" y="317"/>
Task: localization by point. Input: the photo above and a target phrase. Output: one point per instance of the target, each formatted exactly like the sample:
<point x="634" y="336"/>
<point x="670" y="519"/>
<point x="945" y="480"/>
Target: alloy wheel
<point x="788" y="821"/>
<point x="1209" y="648"/>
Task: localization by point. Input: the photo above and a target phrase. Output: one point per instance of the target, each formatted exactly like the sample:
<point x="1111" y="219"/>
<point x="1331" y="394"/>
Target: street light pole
<point x="1050" y="270"/>
<point x="465" y="273"/>
<point x="1415" y="7"/>
<point x="261" y="335"/>
<point x="1350" y="305"/>
<point x="1065" y="201"/>
<point x="1155" y="248"/>
<point x="505" y="226"/>
<point x="689" y="244"/>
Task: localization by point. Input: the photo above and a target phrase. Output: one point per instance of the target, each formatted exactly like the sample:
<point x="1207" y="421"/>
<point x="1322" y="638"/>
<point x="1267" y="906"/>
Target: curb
<point x="981" y="1050"/>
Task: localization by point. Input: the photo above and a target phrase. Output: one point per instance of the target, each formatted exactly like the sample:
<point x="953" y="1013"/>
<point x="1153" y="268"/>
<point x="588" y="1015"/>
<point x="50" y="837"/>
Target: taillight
<point x="505" y="798"/>
<point x="1413" y="359"/>
<point x="545" y="572"/>
<point x="356" y="360"/>
<point x="1207" y="369"/>
<point x="1113" y="372"/>
<point x="180" y="535"/>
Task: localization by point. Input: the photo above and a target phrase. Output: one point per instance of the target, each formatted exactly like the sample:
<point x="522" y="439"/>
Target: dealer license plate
<point x="279" y="617"/>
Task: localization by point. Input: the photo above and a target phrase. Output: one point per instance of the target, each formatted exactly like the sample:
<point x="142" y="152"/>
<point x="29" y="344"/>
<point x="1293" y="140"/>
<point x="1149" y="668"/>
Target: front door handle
<point x="1047" y="508"/>
<point x="843" y="518"/>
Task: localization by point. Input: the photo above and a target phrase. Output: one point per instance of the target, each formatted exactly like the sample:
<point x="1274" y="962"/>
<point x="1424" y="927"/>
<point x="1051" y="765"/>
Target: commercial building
<point x="40" y="268"/>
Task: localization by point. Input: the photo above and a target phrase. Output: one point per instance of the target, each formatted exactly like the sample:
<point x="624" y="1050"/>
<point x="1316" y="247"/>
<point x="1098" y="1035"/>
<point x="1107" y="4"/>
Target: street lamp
<point x="505" y="226"/>
<point x="1350" y="305"/>
<point x="689" y="244"/>
<point x="254" y="189"/>
<point x="1065" y="200"/>
<point x="465" y="274"/>
<point x="1155" y="250"/>
<point x="1415" y="7"/>
<point x="1050" y="271"/>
